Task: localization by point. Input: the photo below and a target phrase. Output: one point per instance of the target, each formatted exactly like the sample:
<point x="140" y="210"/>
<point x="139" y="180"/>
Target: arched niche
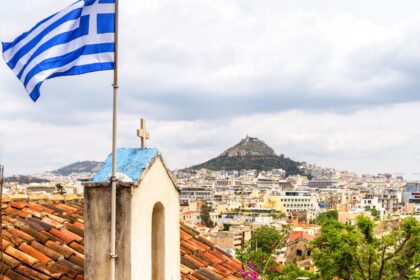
<point x="158" y="242"/>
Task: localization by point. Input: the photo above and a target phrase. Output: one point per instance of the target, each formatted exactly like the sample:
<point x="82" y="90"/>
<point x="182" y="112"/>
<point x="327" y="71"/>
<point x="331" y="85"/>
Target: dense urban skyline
<point x="324" y="82"/>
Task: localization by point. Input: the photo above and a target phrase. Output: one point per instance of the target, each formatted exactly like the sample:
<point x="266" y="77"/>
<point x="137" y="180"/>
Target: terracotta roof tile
<point x="37" y="235"/>
<point x="47" y="251"/>
<point x="4" y="277"/>
<point x="59" y="249"/>
<point x="34" y="253"/>
<point x="11" y="238"/>
<point x="15" y="276"/>
<point x="74" y="236"/>
<point x="77" y="247"/>
<point x="39" y="223"/>
<point x="73" y="251"/>
<point x="50" y="236"/>
<point x="52" y="223"/>
<point x="79" y="225"/>
<point x="64" y="236"/>
<point x="185" y="269"/>
<point x="30" y="273"/>
<point x="49" y="244"/>
<point x="67" y="217"/>
<point x="207" y="274"/>
<point x="77" y="260"/>
<point x="4" y="244"/>
<point x="185" y="235"/>
<point x="71" y="265"/>
<point x="294" y="236"/>
<point x="33" y="212"/>
<point x="52" y="269"/>
<point x="75" y="229"/>
<point x="16" y="212"/>
<point x="21" y="234"/>
<point x="53" y="208"/>
<point x="18" y="204"/>
<point x="40" y="208"/>
<point x="66" y="208"/>
<point x="11" y="262"/>
<point x="4" y="268"/>
<point x="57" y="218"/>
<point x="23" y="257"/>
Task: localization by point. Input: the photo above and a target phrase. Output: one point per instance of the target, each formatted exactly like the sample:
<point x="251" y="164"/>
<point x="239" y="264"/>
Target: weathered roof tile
<point x="47" y="251"/>
<point x="15" y="276"/>
<point x="23" y="257"/>
<point x="34" y="253"/>
<point x="21" y="234"/>
<point x="64" y="236"/>
<point x="59" y="249"/>
<point x="47" y="242"/>
<point x="33" y="274"/>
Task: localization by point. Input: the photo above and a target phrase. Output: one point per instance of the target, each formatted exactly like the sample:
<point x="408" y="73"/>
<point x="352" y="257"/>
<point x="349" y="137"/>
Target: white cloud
<point x="315" y="79"/>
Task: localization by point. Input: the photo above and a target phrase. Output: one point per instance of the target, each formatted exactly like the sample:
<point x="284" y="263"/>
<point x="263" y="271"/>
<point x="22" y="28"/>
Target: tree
<point x="331" y="214"/>
<point x="258" y="254"/>
<point x="353" y="252"/>
<point x="226" y="227"/>
<point x="372" y="211"/>
<point x="292" y="272"/>
<point x="60" y="189"/>
<point x="266" y="238"/>
<point x="205" y="215"/>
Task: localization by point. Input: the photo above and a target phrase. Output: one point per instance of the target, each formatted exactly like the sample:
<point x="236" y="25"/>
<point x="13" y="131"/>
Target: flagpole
<point x="113" y="253"/>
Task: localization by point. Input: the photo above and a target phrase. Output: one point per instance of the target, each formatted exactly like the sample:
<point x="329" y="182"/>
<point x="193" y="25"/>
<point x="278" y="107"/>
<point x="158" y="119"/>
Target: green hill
<point x="250" y="153"/>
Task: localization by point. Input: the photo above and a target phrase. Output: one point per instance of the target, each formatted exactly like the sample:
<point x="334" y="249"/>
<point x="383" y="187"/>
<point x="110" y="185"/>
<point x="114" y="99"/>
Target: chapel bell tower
<point x="148" y="241"/>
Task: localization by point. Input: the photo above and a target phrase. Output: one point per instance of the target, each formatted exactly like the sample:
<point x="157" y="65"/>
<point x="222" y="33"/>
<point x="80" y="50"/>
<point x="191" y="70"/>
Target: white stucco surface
<point x="156" y="186"/>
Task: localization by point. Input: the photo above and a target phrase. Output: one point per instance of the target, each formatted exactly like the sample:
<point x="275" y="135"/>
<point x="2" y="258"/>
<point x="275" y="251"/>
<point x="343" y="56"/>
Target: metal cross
<point x="143" y="134"/>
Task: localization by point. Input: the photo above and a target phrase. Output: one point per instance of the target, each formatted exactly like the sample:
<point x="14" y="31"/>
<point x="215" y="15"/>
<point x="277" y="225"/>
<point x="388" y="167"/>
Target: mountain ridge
<point x="250" y="153"/>
<point x="87" y="166"/>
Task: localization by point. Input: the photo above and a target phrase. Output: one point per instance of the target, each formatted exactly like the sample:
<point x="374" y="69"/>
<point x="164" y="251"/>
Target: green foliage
<point x="226" y="227"/>
<point x="60" y="189"/>
<point x="331" y="214"/>
<point x="257" y="260"/>
<point x="372" y="211"/>
<point x="334" y="249"/>
<point x="205" y="216"/>
<point x="266" y="238"/>
<point x="365" y="225"/>
<point x="291" y="272"/>
<point x="249" y="162"/>
<point x="258" y="253"/>
<point x="353" y="252"/>
<point x="278" y="215"/>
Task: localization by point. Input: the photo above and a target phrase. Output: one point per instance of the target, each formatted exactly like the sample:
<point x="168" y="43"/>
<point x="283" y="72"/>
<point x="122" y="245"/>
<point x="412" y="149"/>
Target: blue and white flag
<point x="76" y="40"/>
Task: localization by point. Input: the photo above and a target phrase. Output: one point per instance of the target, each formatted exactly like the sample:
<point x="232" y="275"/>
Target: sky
<point x="329" y="82"/>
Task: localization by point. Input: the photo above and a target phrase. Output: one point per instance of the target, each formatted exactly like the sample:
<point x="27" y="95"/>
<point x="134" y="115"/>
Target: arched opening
<point x="299" y="253"/>
<point x="158" y="242"/>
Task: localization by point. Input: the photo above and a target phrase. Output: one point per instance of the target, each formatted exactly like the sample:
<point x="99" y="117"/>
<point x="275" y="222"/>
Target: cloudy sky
<point x="329" y="82"/>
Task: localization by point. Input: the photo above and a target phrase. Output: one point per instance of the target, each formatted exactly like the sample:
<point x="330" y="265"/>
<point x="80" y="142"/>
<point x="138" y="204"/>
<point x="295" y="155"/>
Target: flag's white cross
<point x="93" y="11"/>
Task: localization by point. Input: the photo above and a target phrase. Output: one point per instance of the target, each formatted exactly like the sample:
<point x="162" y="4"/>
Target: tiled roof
<point x="42" y="240"/>
<point x="130" y="162"/>
<point x="202" y="260"/>
<point x="297" y="235"/>
<point x="45" y="240"/>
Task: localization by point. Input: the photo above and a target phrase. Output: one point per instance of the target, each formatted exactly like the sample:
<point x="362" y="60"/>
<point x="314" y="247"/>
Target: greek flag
<point x="76" y="40"/>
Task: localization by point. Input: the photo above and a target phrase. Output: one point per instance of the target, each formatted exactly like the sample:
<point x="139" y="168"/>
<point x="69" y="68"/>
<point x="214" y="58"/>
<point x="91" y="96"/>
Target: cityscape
<point x="209" y="140"/>
<point x="228" y="206"/>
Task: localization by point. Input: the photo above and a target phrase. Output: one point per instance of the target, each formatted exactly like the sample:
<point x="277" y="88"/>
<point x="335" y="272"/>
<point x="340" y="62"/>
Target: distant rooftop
<point x="131" y="162"/>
